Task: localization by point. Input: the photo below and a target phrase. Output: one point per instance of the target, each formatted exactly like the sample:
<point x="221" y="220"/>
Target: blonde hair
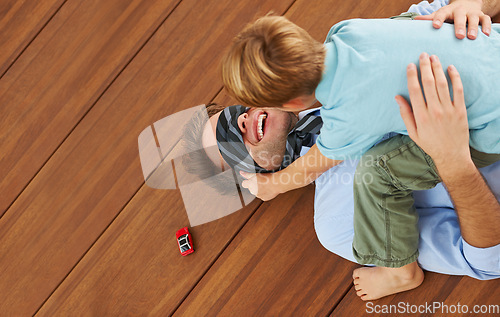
<point x="271" y="62"/>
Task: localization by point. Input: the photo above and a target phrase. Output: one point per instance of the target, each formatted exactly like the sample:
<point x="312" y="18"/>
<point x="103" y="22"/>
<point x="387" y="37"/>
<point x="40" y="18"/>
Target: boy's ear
<point x="295" y="104"/>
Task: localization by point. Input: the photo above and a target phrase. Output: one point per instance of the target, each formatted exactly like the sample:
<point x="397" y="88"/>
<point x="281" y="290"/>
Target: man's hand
<point x="462" y="12"/>
<point x="439" y="126"/>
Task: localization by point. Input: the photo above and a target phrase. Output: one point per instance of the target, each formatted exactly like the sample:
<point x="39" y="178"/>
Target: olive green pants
<point x="385" y="219"/>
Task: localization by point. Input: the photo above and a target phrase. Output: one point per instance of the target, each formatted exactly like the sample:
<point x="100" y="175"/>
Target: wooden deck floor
<point x="80" y="232"/>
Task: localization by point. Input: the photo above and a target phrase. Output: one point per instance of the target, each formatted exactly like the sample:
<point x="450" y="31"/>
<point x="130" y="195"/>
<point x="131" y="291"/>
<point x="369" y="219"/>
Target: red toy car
<point x="184" y="241"/>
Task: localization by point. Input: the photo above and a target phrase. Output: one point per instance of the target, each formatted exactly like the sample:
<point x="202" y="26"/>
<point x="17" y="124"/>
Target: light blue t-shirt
<point x="365" y="68"/>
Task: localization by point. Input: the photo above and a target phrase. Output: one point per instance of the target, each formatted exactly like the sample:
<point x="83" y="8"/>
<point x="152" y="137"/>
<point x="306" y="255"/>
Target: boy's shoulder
<point x="356" y="27"/>
<point x="338" y="27"/>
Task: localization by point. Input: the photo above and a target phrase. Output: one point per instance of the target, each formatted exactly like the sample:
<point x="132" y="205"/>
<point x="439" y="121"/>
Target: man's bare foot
<point x="375" y="282"/>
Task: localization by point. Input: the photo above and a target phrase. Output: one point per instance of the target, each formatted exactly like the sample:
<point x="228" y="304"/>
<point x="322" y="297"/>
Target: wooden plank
<point x="20" y="22"/>
<point x="60" y="76"/>
<point x="436" y="288"/>
<point x="322" y="16"/>
<point x="96" y="171"/>
<point x="135" y="268"/>
<point x="275" y="267"/>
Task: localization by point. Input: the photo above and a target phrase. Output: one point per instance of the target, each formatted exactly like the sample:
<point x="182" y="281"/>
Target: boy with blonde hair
<point x="355" y="76"/>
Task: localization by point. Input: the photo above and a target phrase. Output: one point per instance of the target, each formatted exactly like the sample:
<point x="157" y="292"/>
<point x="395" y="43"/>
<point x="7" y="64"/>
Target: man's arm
<point x="491" y="7"/>
<point x="462" y="12"/>
<point x="440" y="128"/>
<point x="476" y="206"/>
<point x="300" y="173"/>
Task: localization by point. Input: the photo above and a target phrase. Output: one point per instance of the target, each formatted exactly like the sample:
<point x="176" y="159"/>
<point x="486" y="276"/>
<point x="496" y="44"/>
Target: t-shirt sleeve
<point x="343" y="145"/>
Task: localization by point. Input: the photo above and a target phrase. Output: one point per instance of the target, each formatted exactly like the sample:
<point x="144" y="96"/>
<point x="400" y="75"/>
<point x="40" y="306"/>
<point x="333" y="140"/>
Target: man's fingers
<point x="458" y="90"/>
<point x="460" y="19"/>
<point x="472" y="25"/>
<point x="486" y="24"/>
<point x="441" y="82"/>
<point x="428" y="81"/>
<point x="440" y="16"/>
<point x="425" y="17"/>
<point x="416" y="96"/>
<point x="407" y="115"/>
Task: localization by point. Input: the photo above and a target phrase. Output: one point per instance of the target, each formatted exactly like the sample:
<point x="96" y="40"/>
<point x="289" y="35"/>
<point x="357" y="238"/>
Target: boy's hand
<point x="301" y="172"/>
<point x="439" y="126"/>
<point x="461" y="12"/>
<point x="263" y="186"/>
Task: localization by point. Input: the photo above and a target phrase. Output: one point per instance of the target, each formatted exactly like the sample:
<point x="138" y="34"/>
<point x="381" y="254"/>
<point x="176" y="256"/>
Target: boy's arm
<point x="298" y="174"/>
<point x="462" y="12"/>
